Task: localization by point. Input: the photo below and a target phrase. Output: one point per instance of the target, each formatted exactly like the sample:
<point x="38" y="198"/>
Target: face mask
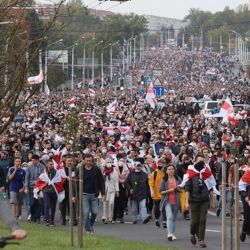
<point x="246" y="155"/>
<point x="137" y="170"/>
<point x="110" y="145"/>
<point x="109" y="165"/>
<point x="122" y="138"/>
<point x="231" y="160"/>
<point x="104" y="151"/>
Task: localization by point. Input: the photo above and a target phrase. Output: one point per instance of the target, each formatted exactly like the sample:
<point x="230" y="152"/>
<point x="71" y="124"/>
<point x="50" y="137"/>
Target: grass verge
<point x="44" y="238"/>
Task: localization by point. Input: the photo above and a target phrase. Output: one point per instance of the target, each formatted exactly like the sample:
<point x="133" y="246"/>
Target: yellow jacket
<point x="154" y="183"/>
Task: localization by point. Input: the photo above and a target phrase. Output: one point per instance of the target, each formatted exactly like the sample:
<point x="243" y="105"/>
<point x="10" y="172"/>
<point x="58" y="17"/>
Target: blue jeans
<point x="90" y="205"/>
<point x="171" y="213"/>
<point x="142" y="207"/>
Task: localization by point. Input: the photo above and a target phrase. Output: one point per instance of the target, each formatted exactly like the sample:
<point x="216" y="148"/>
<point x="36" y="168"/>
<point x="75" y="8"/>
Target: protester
<point x="137" y="185"/>
<point x="171" y="199"/>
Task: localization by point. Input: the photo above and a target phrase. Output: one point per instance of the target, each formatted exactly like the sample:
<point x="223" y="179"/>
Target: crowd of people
<point x="153" y="161"/>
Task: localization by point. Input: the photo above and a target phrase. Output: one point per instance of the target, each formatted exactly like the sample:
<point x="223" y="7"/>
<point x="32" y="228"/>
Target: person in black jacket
<point x="244" y="188"/>
<point x="137" y="185"/>
<point x="64" y="205"/>
<point x="93" y="184"/>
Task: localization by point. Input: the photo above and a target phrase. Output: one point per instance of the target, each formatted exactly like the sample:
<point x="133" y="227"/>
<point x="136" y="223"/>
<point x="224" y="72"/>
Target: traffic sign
<point x="157" y="81"/>
<point x="159" y="90"/>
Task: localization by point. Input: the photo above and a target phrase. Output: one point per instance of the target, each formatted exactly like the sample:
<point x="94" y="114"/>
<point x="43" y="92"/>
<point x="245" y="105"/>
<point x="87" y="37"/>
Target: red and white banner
<point x="150" y="97"/>
<point x="88" y="115"/>
<point x="124" y="130"/>
<point x="36" y="79"/>
<point x="57" y="183"/>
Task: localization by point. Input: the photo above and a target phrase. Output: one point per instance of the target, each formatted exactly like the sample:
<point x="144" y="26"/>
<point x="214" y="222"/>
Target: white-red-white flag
<point x="111" y="107"/>
<point x="150" y="96"/>
<point x="205" y="174"/>
<point x="36" y="79"/>
<point x="72" y="102"/>
<point x="57" y="183"/>
<point x="91" y="92"/>
<point x="227" y="109"/>
<point x="91" y="82"/>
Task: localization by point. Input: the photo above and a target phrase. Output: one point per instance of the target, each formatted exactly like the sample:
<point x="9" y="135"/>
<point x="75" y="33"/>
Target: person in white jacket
<point x="111" y="177"/>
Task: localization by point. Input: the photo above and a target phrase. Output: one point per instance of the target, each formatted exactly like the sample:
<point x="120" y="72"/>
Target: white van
<point x="209" y="106"/>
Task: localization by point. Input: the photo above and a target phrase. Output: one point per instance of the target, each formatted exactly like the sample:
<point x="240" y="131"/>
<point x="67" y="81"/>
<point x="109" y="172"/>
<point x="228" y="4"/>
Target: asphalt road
<point x="151" y="234"/>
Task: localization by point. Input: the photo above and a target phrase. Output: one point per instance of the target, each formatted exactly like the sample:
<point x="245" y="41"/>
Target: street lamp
<point x="93" y="60"/>
<point x="84" y="59"/>
<point x="102" y="62"/>
<point x="111" y="60"/>
<point x="46" y="59"/>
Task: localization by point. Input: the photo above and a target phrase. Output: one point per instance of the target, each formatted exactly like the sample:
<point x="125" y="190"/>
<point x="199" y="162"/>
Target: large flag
<point x="57" y="183"/>
<point x="111" y="107"/>
<point x="36" y="79"/>
<point x="226" y="109"/>
<point x="91" y="92"/>
<point x="150" y="96"/>
<point x="124" y="130"/>
<point x="205" y="174"/>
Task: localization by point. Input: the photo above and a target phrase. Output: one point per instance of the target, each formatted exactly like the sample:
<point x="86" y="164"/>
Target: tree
<point x="22" y="37"/>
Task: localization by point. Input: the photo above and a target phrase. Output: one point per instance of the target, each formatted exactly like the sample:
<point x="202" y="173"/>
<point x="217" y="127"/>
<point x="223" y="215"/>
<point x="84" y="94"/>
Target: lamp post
<point x="102" y="61"/>
<point x="111" y="60"/>
<point x="93" y="60"/>
<point x="84" y="59"/>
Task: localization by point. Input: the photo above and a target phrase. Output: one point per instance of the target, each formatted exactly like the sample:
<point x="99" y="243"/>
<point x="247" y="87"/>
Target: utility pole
<point x="201" y="40"/>
<point x="72" y="67"/>
<point x="134" y="52"/>
<point x="221" y="46"/>
<point x="229" y="45"/>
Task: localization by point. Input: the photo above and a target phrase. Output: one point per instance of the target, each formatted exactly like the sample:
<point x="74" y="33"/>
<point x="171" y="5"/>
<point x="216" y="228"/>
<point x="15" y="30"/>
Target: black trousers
<point x="120" y="203"/>
<point x="246" y="222"/>
<point x="157" y="211"/>
<point x="50" y="200"/>
<point x="64" y="208"/>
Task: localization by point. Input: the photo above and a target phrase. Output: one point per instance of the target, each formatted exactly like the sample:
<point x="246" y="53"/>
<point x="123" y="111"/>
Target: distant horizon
<point x="161" y="8"/>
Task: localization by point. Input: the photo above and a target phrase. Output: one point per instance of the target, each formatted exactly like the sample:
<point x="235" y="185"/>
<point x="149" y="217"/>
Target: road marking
<point x="214" y="231"/>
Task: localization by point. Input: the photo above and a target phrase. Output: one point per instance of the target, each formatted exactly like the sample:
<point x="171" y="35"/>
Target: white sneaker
<point x="170" y="237"/>
<point x="173" y="237"/>
<point x="29" y="217"/>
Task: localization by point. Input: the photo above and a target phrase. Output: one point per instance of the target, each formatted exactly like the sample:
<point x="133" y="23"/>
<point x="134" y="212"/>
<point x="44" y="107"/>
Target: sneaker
<point x="64" y="223"/>
<point x="174" y="237"/>
<point x="170" y="237"/>
<point x="146" y="220"/>
<point x="164" y="224"/>
<point x="186" y="216"/>
<point x="243" y="236"/>
<point x="29" y="217"/>
<point x="122" y="221"/>
<point x="52" y="224"/>
<point x="134" y="222"/>
<point x="202" y="244"/>
<point x="157" y="223"/>
<point x="218" y="212"/>
<point x="92" y="230"/>
<point x="228" y="215"/>
<point x="47" y="223"/>
<point x="106" y="222"/>
<point x="193" y="239"/>
<point x="112" y="222"/>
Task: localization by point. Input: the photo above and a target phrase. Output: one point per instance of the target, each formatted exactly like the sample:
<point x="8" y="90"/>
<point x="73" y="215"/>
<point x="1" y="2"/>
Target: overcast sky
<point x="165" y="8"/>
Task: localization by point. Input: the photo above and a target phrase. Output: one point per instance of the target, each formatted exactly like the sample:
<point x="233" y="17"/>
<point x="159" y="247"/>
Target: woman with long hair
<point x="171" y="198"/>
